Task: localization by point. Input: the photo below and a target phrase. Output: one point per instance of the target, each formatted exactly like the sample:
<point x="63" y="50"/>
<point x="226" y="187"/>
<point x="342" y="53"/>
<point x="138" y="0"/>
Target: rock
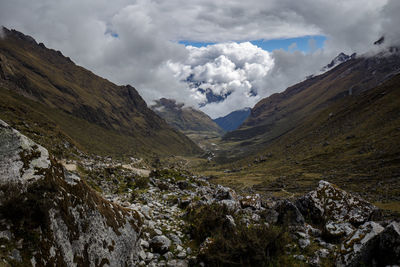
<point x="142" y="255"/>
<point x="289" y="214"/>
<point x="72" y="218"/>
<point x="6" y="235"/>
<point x="181" y="255"/>
<point x="304" y="242"/>
<point x="158" y="232"/>
<point x="223" y="192"/>
<point x="149" y="256"/>
<point x="232" y="205"/>
<point x="168" y="255"/>
<point x="330" y="203"/>
<point x="144" y="243"/>
<point x="231" y="221"/>
<point x="175" y="239"/>
<point x="177" y="263"/>
<point x="354" y="249"/>
<point x="160" y="244"/>
<point x="334" y="229"/>
<point x="15" y="255"/>
<point x="377" y="248"/>
<point x="323" y="252"/>
<point x="251" y="201"/>
<point x="271" y="216"/>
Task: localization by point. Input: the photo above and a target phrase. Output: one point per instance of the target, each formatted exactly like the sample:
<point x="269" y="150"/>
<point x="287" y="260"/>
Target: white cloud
<point x="146" y="53"/>
<point x="234" y="69"/>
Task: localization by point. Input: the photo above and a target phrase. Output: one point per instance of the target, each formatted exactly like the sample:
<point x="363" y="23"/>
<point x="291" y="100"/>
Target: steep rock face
<point x="50" y="217"/>
<point x="82" y="105"/>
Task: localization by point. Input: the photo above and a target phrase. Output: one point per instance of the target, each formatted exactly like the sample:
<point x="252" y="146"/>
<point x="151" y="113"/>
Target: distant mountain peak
<point x="233" y="120"/>
<point x="339" y="59"/>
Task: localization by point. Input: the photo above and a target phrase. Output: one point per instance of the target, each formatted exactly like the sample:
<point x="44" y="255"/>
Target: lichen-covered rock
<point x="330" y="203"/>
<point x="54" y="216"/>
<point x="355" y="247"/>
<point x="373" y="246"/>
<point x="251" y="201"/>
<point x="338" y="229"/>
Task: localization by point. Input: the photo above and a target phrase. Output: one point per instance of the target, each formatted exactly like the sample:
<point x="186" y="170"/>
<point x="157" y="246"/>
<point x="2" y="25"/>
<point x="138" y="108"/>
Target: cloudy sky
<point x="216" y="55"/>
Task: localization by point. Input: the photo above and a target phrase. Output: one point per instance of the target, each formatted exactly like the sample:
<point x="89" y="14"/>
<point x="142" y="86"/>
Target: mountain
<point x="339" y="59"/>
<point x="48" y="97"/>
<point x="342" y="125"/>
<point x="233" y="120"/>
<point x="185" y="119"/>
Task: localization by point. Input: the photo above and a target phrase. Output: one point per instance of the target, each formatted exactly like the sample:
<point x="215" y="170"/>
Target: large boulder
<point x="330" y="203"/>
<point x="372" y="245"/>
<point x="55" y="219"/>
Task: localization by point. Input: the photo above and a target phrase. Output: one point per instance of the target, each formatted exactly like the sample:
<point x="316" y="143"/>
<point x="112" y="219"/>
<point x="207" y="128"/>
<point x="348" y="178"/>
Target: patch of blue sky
<point x="304" y="44"/>
<point x="113" y="34"/>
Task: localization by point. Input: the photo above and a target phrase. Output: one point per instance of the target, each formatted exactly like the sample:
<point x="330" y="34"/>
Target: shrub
<point x="253" y="245"/>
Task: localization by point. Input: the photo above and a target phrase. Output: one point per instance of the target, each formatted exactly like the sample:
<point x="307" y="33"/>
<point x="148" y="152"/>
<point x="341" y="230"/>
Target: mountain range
<point x="47" y="96"/>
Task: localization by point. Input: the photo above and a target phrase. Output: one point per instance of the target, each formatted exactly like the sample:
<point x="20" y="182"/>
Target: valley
<point x="92" y="176"/>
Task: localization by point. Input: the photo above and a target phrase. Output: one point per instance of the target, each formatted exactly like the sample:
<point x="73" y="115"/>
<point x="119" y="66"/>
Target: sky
<point x="216" y="55"/>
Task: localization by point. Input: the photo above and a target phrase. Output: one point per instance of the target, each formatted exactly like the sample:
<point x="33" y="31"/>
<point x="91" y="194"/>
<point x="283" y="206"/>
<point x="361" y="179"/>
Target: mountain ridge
<point x="48" y="78"/>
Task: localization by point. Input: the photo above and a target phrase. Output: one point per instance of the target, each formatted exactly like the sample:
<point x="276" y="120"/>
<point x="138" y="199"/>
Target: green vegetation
<point x="239" y="245"/>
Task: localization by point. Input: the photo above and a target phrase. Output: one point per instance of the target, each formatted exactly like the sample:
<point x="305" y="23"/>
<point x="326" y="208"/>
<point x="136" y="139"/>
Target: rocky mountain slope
<point x="233" y="120"/>
<point x="342" y="125"/>
<point x="41" y="90"/>
<point x="185" y="119"/>
<point x="49" y="216"/>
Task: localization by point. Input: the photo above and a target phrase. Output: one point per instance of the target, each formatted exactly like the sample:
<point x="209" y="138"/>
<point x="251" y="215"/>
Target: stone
<point x="175" y="239"/>
<point x="289" y="213"/>
<point x="251" y="201"/>
<point x="304" y="242"/>
<point x="160" y="244"/>
<point x="230" y="220"/>
<point x="330" y="203"/>
<point x="181" y="255"/>
<point x="177" y="263"/>
<point x="223" y="193"/>
<point x="334" y="229"/>
<point x="142" y="255"/>
<point x="168" y="255"/>
<point x="356" y="246"/>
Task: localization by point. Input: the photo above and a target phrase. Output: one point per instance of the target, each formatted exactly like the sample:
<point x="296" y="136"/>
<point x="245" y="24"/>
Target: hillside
<point x="185" y="119"/>
<point x="41" y="90"/>
<point x="342" y="126"/>
<point x="233" y="120"/>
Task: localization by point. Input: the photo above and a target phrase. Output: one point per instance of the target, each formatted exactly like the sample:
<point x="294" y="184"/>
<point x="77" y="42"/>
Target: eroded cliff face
<point x="51" y="217"/>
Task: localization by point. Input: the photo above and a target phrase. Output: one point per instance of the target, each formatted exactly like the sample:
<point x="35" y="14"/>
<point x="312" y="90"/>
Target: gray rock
<point x="15" y="255"/>
<point x="304" y="242"/>
<point x="330" y="203"/>
<point x="289" y="214"/>
<point x="175" y="239"/>
<point x="168" y="255"/>
<point x="160" y="244"/>
<point x="177" y="263"/>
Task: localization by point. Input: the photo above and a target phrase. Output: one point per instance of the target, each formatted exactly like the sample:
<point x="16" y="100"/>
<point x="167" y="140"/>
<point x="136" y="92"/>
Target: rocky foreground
<point x="49" y="216"/>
